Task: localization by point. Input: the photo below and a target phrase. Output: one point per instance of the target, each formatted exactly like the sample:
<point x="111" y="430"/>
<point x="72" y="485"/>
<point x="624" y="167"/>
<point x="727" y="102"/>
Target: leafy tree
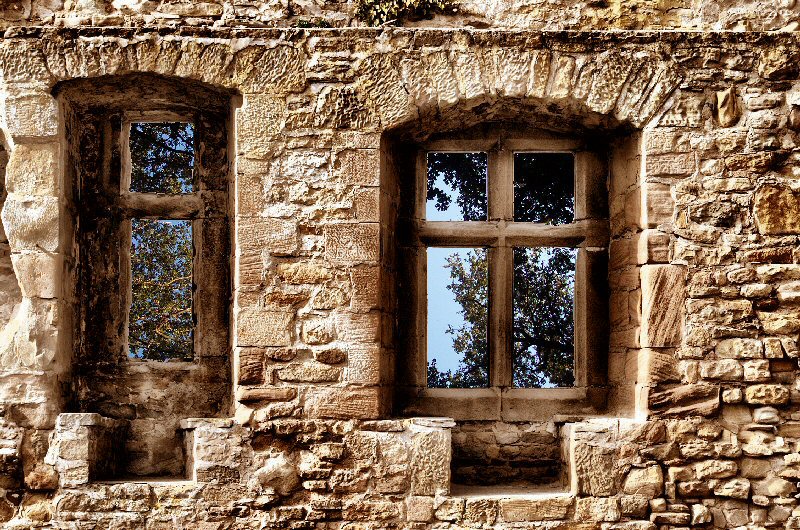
<point x="160" y="318"/>
<point x="543" y="332"/>
<point x="162" y="157"/>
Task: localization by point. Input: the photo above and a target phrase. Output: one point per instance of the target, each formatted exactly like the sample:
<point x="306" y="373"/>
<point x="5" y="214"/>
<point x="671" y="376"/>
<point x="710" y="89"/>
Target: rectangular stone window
<point x="507" y="257"/>
<point x="152" y="290"/>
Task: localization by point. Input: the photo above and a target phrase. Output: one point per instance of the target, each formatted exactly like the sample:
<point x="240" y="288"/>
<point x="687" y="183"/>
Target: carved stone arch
<point x="583" y="90"/>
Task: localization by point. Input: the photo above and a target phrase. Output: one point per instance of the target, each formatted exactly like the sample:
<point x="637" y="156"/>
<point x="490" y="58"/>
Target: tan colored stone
<point x="264" y="327"/>
<point x="777" y="210"/>
<point x="543" y="509"/>
<point x="352" y="242"/>
<point x="342" y="402"/>
<point x="727" y="107"/>
<point x="34" y="115"/>
<point x="663" y="297"/>
<point x="597" y="509"/>
<point x="303" y="272"/>
<point x="648" y="481"/>
<point x="767" y="394"/>
<point x="33" y="169"/>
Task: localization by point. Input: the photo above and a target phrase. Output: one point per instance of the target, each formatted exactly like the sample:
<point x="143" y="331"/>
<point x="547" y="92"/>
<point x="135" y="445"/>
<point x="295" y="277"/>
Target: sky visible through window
<point x="445" y="311"/>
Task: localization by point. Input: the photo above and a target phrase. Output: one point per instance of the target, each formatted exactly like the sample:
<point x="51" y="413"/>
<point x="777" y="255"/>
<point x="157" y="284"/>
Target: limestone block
<point x="352" y="242"/>
<point x="309" y="372"/>
<point x="31" y="222"/>
<point x="648" y="481"/>
<point x="318" y="331"/>
<point x="777" y="210"/>
<point x="594" y="469"/>
<point x="481" y="511"/>
<point x="342" y="402"/>
<point x="658" y="204"/>
<point x="360" y="167"/>
<point x="251" y="365"/>
<point x="757" y="371"/>
<point x="363" y="364"/>
<point x="724" y="369"/>
<point x="597" y="509"/>
<point x="269" y="393"/>
<point x="670" y="165"/>
<point x="260" y="117"/>
<point x="274" y="70"/>
<point x="511" y="72"/>
<point x="380" y="81"/>
<point x="366" y="288"/>
<point x="34" y="115"/>
<point x="737" y="488"/>
<point x="419" y="509"/>
<point x="663" y="296"/>
<point x="692" y="399"/>
<point x="714" y="469"/>
<point x="277" y="236"/>
<point x="38" y="274"/>
<point x="278" y="474"/>
<point x="264" y="327"/>
<point x="550" y="508"/>
<point x="767" y="394"/>
<point x="431" y="452"/>
<point x="33" y="169"/>
<point x="779" y="62"/>
<point x="739" y="349"/>
<point x="303" y="272"/>
<point x="29" y="339"/>
<point x="727" y="107"/>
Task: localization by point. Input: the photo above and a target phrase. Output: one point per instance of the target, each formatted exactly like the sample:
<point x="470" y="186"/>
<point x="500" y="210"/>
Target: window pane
<point x="457" y="187"/>
<point x="544" y="293"/>
<point x="544" y="187"/>
<point x="458" y="353"/>
<point x="160" y="318"/>
<point x="162" y="157"/>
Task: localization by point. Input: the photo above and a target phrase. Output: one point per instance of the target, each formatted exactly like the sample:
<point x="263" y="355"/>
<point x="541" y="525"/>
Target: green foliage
<point x="162" y="157"/>
<point x="160" y="319"/>
<point x="544" y="278"/>
<point x="378" y="12"/>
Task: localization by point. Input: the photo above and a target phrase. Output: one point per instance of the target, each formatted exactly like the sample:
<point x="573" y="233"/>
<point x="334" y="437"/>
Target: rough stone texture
<point x="703" y="270"/>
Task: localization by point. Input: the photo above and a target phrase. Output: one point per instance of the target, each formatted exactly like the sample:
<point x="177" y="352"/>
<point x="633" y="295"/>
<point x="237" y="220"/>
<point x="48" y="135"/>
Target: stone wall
<point x="553" y="15"/>
<point x="699" y="427"/>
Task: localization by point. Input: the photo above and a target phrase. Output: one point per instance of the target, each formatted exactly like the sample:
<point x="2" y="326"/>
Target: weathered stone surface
<point x="263" y="327"/>
<point x="648" y="482"/>
<point x="352" y="242"/>
<point x="597" y="509"/>
<point x="766" y="394"/>
<point x="663" y="296"/>
<point x="776" y="210"/>
<point x="699" y="399"/>
<point x="546" y="509"/>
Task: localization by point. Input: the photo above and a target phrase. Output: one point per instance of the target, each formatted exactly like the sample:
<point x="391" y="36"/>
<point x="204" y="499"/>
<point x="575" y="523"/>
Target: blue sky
<point x="443" y="310"/>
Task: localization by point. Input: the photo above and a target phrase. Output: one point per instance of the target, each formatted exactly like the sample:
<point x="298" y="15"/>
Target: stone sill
<point x="150" y="481"/>
<point x="500" y="492"/>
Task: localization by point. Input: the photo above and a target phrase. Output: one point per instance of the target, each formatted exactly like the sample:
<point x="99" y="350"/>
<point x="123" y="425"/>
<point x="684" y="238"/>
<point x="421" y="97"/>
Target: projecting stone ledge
<point x="686" y="400"/>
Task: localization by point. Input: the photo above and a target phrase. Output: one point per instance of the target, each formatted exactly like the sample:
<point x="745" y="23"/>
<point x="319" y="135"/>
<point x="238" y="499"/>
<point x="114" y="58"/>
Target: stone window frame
<point x="206" y="208"/>
<point x="589" y="233"/>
